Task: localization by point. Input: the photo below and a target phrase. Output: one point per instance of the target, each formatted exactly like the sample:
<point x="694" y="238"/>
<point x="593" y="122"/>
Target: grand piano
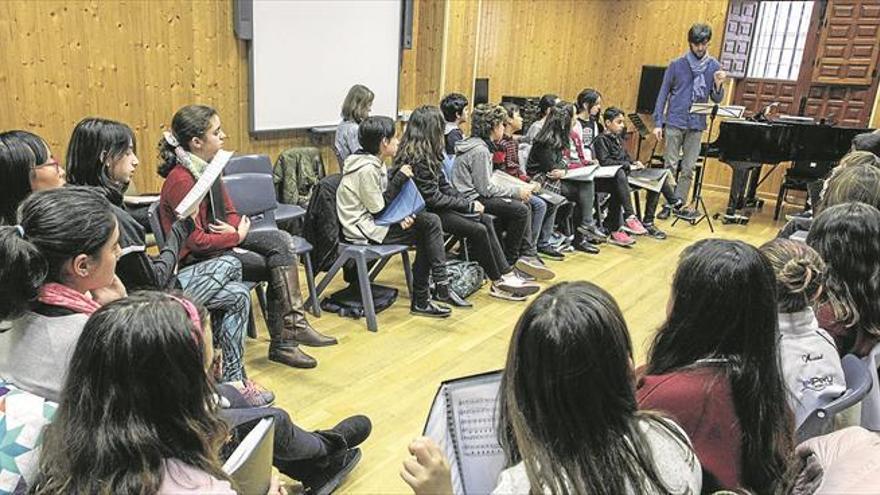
<point x="746" y="145"/>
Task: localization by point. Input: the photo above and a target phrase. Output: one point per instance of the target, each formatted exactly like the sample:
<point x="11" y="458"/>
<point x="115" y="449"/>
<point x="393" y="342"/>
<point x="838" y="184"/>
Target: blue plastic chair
<point x="858" y="384"/>
<point x="260" y="164"/>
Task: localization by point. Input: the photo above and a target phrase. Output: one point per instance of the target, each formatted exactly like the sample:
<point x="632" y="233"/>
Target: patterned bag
<point x="23" y="416"/>
<point x="465" y="277"/>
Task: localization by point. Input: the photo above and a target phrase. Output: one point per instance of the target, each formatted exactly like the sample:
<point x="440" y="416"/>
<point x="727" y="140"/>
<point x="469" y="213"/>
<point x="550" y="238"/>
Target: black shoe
<point x="586" y="247"/>
<point x="551" y="253"/>
<point x="429" y="309"/>
<point x="654" y="232"/>
<point x="354" y="430"/>
<point x="665" y="212"/>
<point x="591" y="234"/>
<point x="444" y="294"/>
<point x="328" y="479"/>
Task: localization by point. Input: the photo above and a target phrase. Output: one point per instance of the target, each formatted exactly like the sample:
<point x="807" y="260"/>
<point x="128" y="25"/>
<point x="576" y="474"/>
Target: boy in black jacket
<point x="610" y="152"/>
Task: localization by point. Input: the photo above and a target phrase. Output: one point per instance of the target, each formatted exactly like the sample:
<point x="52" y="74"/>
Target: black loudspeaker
<point x="243" y="19"/>
<point x="406" y="27"/>
<point x="481" y="91"/>
<point x="649" y="87"/>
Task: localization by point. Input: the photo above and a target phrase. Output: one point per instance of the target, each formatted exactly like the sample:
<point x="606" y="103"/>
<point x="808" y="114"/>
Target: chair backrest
<point x="156" y="224"/>
<point x="858" y="384"/>
<point x="248" y="164"/>
<point x="253" y="194"/>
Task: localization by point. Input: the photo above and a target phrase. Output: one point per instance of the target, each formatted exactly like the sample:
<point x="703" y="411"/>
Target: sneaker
<point x="551" y="253"/>
<point x="520" y="287"/>
<point x="254" y="394"/>
<point x="534" y="267"/>
<point x="595" y="236"/>
<point x="654" y="232"/>
<point x="328" y="479"/>
<point x="496" y="291"/>
<point x="633" y="226"/>
<point x="621" y="238"/>
<point x="430" y="309"/>
<point x="523" y="275"/>
<point x="586" y="247"/>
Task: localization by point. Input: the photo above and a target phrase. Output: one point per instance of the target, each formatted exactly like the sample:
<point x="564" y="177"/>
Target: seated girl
<point x="422" y="148"/>
<point x="194" y="140"/>
<point x="27" y="166"/>
<point x="101" y="154"/>
<point x="810" y="364"/>
<point x="561" y="436"/>
<point x="138" y="390"/>
<point x="714" y="367"/>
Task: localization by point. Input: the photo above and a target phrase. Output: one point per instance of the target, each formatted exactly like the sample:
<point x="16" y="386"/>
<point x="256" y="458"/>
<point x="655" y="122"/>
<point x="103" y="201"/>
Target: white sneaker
<point x="535" y="268"/>
<point x="511" y="283"/>
<point x="495" y="291"/>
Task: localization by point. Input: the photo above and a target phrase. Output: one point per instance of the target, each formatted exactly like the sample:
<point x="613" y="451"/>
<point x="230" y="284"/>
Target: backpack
<point x="296" y="173"/>
<point x="347" y="302"/>
<point x="465" y="277"/>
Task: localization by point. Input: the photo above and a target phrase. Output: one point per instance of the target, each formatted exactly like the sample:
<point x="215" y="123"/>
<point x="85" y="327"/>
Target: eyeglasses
<point x="51" y="163"/>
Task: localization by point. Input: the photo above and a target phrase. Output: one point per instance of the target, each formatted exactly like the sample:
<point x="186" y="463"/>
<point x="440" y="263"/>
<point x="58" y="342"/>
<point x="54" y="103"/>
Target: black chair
<point x="798" y="178"/>
<point x="159" y="234"/>
<point x="260" y="164"/>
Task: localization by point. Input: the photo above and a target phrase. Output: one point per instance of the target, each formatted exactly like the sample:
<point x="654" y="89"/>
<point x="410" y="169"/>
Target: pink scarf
<point x="55" y="294"/>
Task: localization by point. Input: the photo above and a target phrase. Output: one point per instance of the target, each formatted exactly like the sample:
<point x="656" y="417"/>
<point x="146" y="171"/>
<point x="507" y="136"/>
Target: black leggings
<point x="515" y="220"/>
<point x="484" y="242"/>
<point x="427" y="234"/>
<point x="266" y="249"/>
<point x="618" y="188"/>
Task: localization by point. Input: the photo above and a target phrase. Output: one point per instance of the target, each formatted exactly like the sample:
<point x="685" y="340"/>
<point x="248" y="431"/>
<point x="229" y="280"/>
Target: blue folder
<point x="407" y="203"/>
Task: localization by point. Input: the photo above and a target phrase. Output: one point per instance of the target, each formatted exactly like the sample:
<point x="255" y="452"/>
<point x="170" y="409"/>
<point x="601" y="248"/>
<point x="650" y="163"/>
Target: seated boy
<point x="455" y="112"/>
<point x="364" y="192"/>
<point x="506" y="158"/>
<point x="610" y="152"/>
<point x="472" y="177"/>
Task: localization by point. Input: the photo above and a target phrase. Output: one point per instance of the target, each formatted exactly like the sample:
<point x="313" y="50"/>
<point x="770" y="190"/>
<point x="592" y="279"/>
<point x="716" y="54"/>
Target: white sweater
<point x="676" y="464"/>
<point x="810" y="365"/>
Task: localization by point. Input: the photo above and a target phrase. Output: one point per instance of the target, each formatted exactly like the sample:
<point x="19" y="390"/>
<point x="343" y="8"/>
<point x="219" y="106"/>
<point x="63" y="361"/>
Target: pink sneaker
<point x="621" y="238"/>
<point x="633" y="226"/>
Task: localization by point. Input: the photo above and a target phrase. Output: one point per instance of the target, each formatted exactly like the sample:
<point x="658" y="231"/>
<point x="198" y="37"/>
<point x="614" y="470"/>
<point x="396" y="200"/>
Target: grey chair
<point x="260" y="164"/>
<point x="253" y="195"/>
<point x="858" y="384"/>
<point x="159" y="234"/>
<point x="362" y="255"/>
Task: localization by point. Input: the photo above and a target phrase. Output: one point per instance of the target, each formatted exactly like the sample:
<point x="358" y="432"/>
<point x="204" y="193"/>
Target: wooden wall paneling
<point x="421" y="66"/>
<point x="738" y="31"/>
<point x="755" y="94"/>
<point x="460" y="47"/>
<point x="849" y="48"/>
<point x="848" y="106"/>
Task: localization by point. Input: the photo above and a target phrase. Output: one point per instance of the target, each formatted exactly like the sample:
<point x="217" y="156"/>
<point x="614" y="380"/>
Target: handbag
<point x="465" y="277"/>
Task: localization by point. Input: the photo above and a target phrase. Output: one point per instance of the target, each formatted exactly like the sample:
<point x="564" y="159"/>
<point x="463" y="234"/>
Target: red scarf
<point x="55" y="294"/>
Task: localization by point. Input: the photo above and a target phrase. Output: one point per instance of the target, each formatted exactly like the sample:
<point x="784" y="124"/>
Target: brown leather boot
<point x="284" y="282"/>
<point x="282" y="347"/>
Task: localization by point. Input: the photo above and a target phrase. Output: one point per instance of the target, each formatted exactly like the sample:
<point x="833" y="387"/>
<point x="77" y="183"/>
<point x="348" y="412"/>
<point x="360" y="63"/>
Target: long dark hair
<point x="724" y="307"/>
<point x="189" y="122"/>
<point x="55" y="226"/>
<point x="422" y="141"/>
<point x="847" y="236"/>
<point x="136" y="394"/>
<point x="556" y="133"/>
<point x="20" y="152"/>
<point x="94" y="145"/>
<point x="567" y="404"/>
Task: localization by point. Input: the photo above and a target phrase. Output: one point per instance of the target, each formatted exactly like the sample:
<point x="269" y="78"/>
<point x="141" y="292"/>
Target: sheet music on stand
<point x="463" y="421"/>
<point x="194" y="197"/>
<point x="729" y="111"/>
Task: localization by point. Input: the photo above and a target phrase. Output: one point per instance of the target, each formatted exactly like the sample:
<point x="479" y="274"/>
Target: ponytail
<point x="23" y="269"/>
<point x="189" y="122"/>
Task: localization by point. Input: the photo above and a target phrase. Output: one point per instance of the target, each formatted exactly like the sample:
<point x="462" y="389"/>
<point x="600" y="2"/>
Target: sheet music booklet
<point x="583" y="174"/>
<point x="502" y="178"/>
<point x="194" y="197"/>
<point x="649" y="178"/>
<point x="250" y="464"/>
<point x="463" y="421"/>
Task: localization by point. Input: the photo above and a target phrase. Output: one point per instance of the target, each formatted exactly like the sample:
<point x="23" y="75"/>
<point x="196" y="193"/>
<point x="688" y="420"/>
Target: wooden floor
<point x="391" y="376"/>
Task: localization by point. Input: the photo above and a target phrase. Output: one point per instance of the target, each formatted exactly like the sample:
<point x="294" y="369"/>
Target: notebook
<point x="649" y="178"/>
<point x="502" y="178"/>
<point x="190" y="202"/>
<point x="583" y="174"/>
<point x="250" y="464"/>
<point x="606" y="172"/>
<point x="463" y="421"/>
<point x="408" y="202"/>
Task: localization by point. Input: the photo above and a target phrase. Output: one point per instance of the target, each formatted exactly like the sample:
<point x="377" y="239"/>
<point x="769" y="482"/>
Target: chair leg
<point x="310" y="282"/>
<point x="261" y="299"/>
<point x="252" y="326"/>
<point x="779" y="200"/>
<point x="378" y="268"/>
<point x="407" y="271"/>
<point x="366" y="292"/>
<point x="328" y="277"/>
<point x="637" y="203"/>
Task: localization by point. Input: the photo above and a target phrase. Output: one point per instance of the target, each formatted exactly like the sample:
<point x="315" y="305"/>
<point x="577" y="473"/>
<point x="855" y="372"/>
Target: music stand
<point x="712" y="110"/>
<point x="643" y="131"/>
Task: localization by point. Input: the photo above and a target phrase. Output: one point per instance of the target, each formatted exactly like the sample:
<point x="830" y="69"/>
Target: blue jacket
<point x="678" y="83"/>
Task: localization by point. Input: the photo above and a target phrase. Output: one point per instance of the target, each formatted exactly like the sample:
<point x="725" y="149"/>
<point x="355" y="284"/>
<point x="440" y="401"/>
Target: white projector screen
<point x="306" y="54"/>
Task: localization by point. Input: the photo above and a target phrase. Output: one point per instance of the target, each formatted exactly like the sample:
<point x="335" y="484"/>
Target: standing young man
<point x="692" y="78"/>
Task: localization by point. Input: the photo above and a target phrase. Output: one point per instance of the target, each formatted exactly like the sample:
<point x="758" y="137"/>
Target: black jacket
<point x="438" y="193"/>
<point x="610" y="152"/>
<point x="544" y="158"/>
<point x="321" y="226"/>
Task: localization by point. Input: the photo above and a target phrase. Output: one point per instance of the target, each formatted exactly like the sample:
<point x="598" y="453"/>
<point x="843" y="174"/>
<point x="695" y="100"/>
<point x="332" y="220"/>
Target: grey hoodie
<point x="472" y="172"/>
<point x="363" y="193"/>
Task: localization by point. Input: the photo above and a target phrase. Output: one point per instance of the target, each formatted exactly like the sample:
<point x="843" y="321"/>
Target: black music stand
<point x="643" y="131"/>
<point x="712" y="110"/>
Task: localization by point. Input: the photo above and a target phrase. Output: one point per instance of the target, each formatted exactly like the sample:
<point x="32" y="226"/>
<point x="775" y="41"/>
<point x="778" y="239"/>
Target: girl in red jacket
<point x="195" y="137"/>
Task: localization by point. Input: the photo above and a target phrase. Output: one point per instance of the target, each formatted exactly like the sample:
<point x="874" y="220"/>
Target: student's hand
<point x="407" y="222"/>
<point x="478" y="207"/>
<point x="637" y="165"/>
<point x="244" y="226"/>
<point x="106" y="295"/>
<point x="720" y="76"/>
<point x="536" y="187"/>
<point x="427" y="471"/>
<point x="556" y="174"/>
<point x="406" y="170"/>
<point x="275" y="487"/>
<point x="525" y="193"/>
<point x="220" y="227"/>
<point x="658" y="133"/>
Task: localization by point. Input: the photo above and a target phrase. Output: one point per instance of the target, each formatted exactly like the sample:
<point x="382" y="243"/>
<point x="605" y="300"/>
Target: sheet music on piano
<point x="190" y="203"/>
<point x="463" y="421"/>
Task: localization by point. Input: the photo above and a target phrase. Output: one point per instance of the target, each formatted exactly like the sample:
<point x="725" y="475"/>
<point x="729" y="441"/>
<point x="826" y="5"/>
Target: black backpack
<point x="347" y="302"/>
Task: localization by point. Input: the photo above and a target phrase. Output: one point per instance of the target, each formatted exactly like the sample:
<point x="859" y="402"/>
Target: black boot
<point x="443" y="293"/>
<point x="285" y="283"/>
